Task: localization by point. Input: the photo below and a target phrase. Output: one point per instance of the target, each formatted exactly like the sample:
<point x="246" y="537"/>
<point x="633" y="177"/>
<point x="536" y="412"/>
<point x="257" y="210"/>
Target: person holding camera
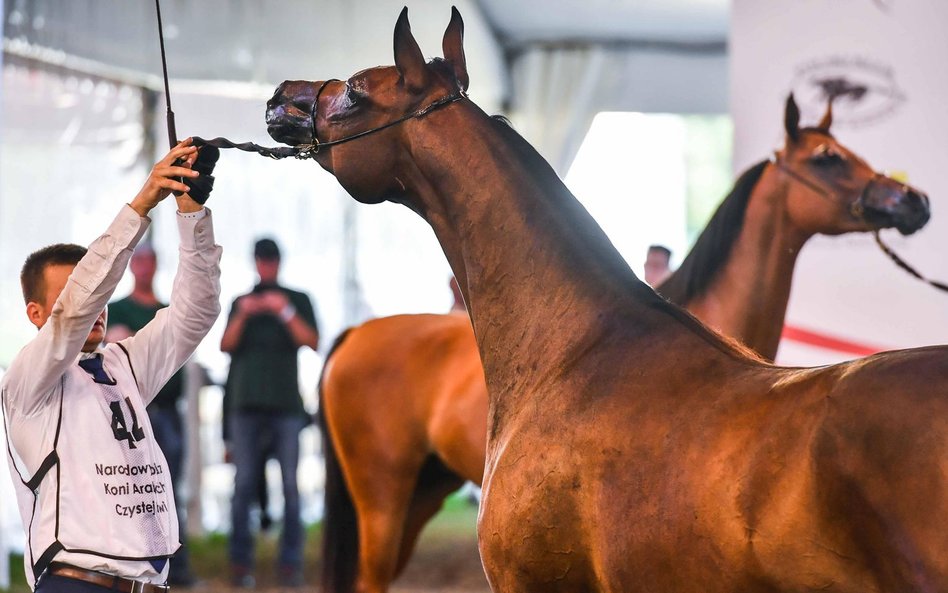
<point x="92" y="484"/>
<point x="265" y="329"/>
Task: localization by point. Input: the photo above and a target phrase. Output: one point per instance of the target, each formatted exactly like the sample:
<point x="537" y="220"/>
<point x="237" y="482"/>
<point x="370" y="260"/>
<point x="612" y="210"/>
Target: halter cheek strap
<point x="314" y="115"/>
<point x="857" y="207"/>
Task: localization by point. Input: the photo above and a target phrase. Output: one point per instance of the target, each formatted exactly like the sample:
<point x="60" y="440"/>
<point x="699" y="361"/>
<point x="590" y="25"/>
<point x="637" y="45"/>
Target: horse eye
<point x="354" y="95"/>
<point x="826" y="156"/>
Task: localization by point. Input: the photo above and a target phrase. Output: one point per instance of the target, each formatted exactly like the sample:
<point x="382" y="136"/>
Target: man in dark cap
<point x="265" y="329"/>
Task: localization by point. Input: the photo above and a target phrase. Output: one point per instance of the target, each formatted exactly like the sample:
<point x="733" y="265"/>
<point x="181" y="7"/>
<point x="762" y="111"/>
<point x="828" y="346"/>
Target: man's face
<point x="54" y="280"/>
<point x="656" y="267"/>
<point x="267" y="268"/>
<point x="143" y="266"/>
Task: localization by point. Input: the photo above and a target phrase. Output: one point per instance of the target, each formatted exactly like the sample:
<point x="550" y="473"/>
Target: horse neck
<point x="748" y="298"/>
<point x="542" y="281"/>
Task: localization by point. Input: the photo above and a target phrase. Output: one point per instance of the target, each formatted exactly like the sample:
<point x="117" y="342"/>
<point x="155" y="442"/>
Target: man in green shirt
<point x="265" y="329"/>
<point x="126" y="317"/>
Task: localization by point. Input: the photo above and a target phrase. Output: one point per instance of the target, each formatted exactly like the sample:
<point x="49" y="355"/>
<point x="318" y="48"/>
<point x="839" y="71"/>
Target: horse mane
<point x="714" y="245"/>
<point x="551" y="182"/>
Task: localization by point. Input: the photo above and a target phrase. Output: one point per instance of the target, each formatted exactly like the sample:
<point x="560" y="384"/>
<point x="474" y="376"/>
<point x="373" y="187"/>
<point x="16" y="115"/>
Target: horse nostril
<point x="919" y="212"/>
<point x="277" y="94"/>
<point x="920" y="197"/>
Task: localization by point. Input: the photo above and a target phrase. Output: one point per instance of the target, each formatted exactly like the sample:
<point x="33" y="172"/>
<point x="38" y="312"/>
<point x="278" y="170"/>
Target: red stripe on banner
<point x="811" y="338"/>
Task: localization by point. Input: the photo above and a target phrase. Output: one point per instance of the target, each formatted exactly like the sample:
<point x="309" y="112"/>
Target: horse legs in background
<point x="396" y="399"/>
<point x="392" y="506"/>
<point x="381" y="513"/>
<point x="435" y="483"/>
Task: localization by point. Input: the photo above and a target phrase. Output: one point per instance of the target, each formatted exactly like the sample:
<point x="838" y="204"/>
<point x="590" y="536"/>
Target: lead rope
<point x="905" y="266"/>
<point x="277" y="152"/>
<point x="300" y="152"/>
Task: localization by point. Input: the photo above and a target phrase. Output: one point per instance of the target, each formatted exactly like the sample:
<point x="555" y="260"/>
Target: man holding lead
<point x="92" y="485"/>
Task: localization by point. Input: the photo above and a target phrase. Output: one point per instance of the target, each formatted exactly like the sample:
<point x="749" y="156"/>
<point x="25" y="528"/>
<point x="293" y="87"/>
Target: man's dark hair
<point x="31" y="276"/>
<point x="266" y="249"/>
<point x="661" y="249"/>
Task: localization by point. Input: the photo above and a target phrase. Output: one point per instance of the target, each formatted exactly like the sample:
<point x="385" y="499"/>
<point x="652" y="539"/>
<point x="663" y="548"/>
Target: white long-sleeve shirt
<point x="107" y="504"/>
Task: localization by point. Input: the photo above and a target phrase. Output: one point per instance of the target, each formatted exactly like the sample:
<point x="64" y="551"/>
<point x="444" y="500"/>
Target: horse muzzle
<point x="290" y="113"/>
<point x="893" y="205"/>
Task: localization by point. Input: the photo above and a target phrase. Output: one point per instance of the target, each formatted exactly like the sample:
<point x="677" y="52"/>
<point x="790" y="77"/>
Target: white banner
<point x="885" y="62"/>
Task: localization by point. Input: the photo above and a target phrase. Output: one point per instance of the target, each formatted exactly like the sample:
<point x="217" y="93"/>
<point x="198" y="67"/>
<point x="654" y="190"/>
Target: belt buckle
<point x="138" y="587"/>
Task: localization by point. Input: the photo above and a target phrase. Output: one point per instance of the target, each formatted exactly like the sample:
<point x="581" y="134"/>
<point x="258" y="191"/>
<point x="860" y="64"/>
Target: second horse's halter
<point x="858" y="209"/>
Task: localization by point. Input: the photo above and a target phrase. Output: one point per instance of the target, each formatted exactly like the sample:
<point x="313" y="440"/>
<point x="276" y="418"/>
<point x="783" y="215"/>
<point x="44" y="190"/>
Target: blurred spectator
<point x="656" y="264"/>
<point x="264" y="330"/>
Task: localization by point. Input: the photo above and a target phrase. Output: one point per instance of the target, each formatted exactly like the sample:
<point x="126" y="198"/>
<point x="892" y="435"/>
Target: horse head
<point x="838" y="191"/>
<point x="333" y="115"/>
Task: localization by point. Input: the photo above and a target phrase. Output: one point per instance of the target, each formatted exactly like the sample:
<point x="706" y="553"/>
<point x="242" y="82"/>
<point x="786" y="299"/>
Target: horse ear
<point x="409" y="61"/>
<point x="827" y="120"/>
<point x="453" y="47"/>
<point x="791" y="119"/>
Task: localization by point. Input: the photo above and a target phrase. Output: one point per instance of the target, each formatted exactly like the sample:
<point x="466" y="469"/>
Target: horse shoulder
<point x="880" y="456"/>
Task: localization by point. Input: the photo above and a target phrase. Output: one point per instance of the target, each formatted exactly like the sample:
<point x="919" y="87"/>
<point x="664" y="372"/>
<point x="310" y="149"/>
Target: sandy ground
<point x="438" y="566"/>
<point x="446" y="561"/>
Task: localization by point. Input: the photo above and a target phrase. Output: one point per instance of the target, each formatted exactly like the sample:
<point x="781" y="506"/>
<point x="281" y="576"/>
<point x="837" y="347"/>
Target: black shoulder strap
<point x="53" y="457"/>
<point x="51" y="460"/>
<point x="129" y="357"/>
<point x="45" y="558"/>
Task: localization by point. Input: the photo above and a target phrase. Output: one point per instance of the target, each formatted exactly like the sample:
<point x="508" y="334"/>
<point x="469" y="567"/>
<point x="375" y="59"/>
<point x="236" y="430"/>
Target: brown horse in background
<point x="629" y="447"/>
<point x="408" y="395"/>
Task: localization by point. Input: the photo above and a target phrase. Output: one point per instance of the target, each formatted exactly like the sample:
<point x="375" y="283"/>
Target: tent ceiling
<point x="676" y="21"/>
<point x="255" y="41"/>
<point x="258" y="43"/>
<point x="269" y="40"/>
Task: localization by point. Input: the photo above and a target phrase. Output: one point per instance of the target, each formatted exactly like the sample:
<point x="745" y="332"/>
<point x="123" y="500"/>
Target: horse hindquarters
<point x="375" y="399"/>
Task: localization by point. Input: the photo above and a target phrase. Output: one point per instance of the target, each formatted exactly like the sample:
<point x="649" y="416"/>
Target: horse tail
<point x="340" y="550"/>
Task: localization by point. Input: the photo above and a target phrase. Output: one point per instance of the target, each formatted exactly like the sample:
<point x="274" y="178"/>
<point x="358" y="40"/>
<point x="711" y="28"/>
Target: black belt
<point x="105" y="580"/>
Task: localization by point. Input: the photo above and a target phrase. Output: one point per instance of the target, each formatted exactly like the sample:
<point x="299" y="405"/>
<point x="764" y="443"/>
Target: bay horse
<point x="629" y="447"/>
<point x="408" y="395"/>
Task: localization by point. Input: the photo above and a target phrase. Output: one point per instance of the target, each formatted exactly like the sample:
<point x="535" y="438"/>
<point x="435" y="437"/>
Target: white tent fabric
<point x="558" y="90"/>
<point x="257" y="43"/>
<point x="555" y="98"/>
<point x="11" y="532"/>
<point x="69" y="156"/>
<point x="6" y="490"/>
<point x="527" y="22"/>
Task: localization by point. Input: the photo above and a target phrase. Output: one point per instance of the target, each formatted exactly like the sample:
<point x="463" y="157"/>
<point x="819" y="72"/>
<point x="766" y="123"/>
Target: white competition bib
<point x="106" y="490"/>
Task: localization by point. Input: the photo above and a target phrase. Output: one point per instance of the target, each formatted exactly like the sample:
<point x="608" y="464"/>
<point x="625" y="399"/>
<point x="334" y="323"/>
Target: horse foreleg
<point x="382" y="507"/>
<point x="435" y="483"/>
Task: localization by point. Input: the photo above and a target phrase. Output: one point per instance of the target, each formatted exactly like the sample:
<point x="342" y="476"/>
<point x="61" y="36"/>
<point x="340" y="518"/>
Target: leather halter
<point x="858" y="209"/>
<point x="310" y="150"/>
